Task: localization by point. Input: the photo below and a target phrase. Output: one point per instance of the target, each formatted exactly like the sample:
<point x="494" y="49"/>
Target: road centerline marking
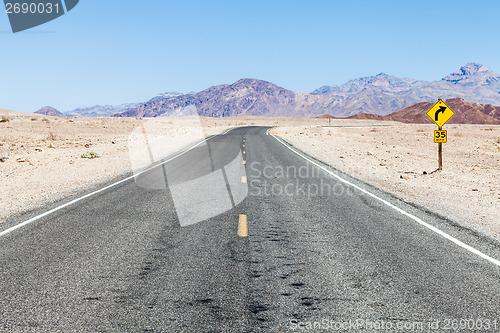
<point x="387" y="203"/>
<point x="243" y="226"/>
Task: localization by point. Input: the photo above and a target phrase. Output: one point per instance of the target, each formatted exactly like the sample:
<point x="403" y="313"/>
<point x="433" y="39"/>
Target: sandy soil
<point x="394" y="156"/>
<point x="44" y="162"/>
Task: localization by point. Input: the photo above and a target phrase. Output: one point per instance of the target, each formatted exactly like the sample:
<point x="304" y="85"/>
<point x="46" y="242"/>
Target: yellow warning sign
<point x="440" y="113"/>
<point x="440" y="136"/>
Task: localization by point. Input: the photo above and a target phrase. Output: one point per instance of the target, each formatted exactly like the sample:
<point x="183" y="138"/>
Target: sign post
<point x="440" y="153"/>
<point x="440" y="113"/>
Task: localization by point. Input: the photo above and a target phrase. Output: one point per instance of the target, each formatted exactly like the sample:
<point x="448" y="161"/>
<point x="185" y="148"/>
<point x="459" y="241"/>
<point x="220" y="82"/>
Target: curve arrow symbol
<point x="442" y="109"/>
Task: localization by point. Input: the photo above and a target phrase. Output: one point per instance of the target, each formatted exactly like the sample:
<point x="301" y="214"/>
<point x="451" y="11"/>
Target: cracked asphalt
<point x="318" y="252"/>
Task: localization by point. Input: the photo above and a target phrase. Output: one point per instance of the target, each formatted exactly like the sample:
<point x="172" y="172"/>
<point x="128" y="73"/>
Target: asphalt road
<point x="163" y="253"/>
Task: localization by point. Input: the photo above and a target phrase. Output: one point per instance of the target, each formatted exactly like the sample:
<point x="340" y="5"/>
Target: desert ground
<point x="43" y="159"/>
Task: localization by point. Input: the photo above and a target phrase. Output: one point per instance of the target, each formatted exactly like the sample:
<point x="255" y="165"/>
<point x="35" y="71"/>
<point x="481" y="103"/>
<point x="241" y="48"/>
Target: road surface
<point x="140" y="256"/>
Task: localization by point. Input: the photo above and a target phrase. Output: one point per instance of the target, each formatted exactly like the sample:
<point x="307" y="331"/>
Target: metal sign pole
<point x="440" y="153"/>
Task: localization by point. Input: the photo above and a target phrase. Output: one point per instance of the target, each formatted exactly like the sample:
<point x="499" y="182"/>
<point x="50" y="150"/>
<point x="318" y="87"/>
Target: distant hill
<point x="50" y="111"/>
<point x="100" y="110"/>
<point x="465" y="113"/>
<point x="246" y="97"/>
<point x="380" y="82"/>
<point x="110" y="110"/>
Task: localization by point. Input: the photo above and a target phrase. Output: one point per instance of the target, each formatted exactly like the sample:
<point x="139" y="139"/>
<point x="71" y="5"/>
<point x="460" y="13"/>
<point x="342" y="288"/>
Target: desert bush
<point x="4" y="119"/>
<point x="420" y="130"/>
<point x="33" y="119"/>
<point x="45" y="120"/>
<point x="373" y="130"/>
<point x="51" y="137"/>
<point x="90" y="155"/>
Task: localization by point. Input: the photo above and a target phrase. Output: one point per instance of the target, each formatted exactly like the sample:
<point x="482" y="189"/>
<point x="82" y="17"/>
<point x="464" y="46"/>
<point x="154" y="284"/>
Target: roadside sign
<point x="440" y="136"/>
<point x="440" y="113"/>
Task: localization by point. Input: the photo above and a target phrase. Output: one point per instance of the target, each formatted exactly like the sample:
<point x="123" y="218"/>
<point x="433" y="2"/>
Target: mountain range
<point x="109" y="110"/>
<point x="249" y="97"/>
<point x="381" y="94"/>
<point x="465" y="113"/>
<point x="100" y="110"/>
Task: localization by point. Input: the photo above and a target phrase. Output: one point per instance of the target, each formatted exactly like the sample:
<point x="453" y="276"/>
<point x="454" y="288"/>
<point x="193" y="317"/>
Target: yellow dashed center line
<point x="243" y="226"/>
<point x="244" y="162"/>
<point x="243" y="179"/>
<point x="244" y="152"/>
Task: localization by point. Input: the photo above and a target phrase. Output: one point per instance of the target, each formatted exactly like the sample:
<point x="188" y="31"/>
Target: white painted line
<point x="227" y="131"/>
<point x="33" y="219"/>
<point x="411" y="216"/>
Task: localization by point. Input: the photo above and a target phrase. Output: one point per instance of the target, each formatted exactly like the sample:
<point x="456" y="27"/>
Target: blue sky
<point x="112" y="52"/>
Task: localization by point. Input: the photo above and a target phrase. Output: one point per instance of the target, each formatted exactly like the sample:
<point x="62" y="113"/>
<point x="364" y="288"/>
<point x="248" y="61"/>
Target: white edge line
<point x="33" y="219"/>
<point x="227" y="131"/>
<point x="413" y="217"/>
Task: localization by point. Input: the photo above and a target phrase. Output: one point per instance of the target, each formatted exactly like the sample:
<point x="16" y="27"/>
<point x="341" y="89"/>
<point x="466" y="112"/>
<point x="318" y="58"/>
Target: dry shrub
<point x="90" y="155"/>
<point x="51" y="137"/>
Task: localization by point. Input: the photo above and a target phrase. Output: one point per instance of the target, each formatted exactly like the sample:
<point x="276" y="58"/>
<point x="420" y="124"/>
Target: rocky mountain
<point x="465" y="113"/>
<point x="50" y="111"/>
<point x="248" y="97"/>
<point x="167" y="95"/>
<point x="472" y="75"/>
<point x="381" y="82"/>
<point x="109" y="110"/>
<point x="100" y="110"/>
